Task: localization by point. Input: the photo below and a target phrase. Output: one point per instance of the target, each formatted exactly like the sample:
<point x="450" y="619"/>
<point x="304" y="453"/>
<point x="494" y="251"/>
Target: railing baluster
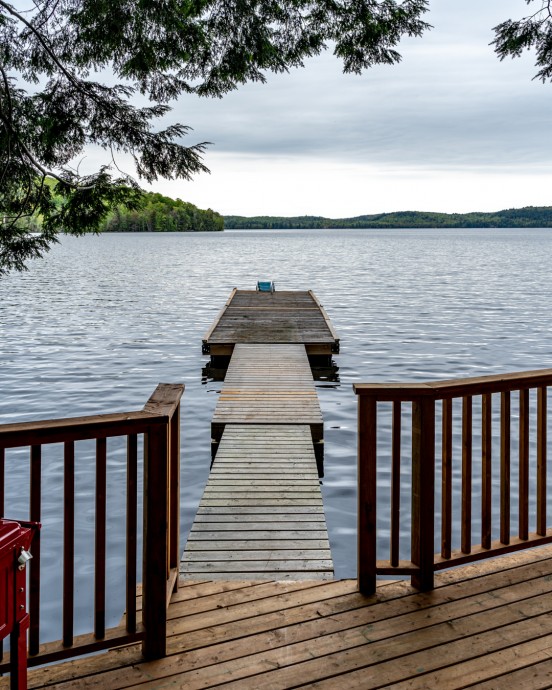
<point x="467" y="406"/>
<point x="99" y="572"/>
<point x="395" y="483"/>
<point x="423" y="491"/>
<point x="524" y="463"/>
<point x="2" y="492"/>
<point x="446" y="480"/>
<point x="68" y="541"/>
<point x="34" y="572"/>
<point x="505" y="413"/>
<point x="486" y="470"/>
<point x="541" y="460"/>
<point x="131" y="530"/>
<point x="174" y="493"/>
<point x="367" y="495"/>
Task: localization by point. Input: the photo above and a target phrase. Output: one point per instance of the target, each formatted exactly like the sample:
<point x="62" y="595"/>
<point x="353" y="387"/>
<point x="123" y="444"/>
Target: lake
<point x="100" y="321"/>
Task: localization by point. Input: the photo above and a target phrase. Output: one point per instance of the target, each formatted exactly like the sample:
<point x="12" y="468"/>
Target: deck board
<point x="273" y="523"/>
<point x="487" y="625"/>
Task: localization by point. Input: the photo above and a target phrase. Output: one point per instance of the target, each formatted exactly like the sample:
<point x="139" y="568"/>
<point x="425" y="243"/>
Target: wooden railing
<point x="448" y="472"/>
<point x="156" y="429"/>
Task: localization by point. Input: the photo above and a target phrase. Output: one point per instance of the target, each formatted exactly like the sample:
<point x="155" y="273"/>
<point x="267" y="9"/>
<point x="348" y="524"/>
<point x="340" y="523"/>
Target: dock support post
<point x="319" y="455"/>
<point x="154" y="577"/>
<point x="423" y="491"/>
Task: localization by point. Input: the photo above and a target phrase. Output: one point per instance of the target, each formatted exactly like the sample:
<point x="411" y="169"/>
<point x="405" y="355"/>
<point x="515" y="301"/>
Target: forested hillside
<point x="162" y="214"/>
<point x="528" y="217"/>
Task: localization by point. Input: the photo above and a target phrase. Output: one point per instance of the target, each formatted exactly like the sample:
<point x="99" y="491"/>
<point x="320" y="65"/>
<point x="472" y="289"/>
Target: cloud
<point x="451" y="128"/>
<point x="449" y="103"/>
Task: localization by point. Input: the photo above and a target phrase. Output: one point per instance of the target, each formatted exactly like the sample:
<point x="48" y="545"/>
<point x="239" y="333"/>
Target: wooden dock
<point x="261" y="515"/>
<point x="293" y="317"/>
<point x="487" y="625"/>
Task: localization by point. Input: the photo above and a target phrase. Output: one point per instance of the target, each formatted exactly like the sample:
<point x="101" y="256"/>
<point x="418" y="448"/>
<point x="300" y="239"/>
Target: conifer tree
<point x="55" y="99"/>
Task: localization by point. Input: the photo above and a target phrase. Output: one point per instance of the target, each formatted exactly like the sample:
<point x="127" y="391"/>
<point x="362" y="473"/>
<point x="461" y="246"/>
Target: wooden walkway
<point x="268" y="384"/>
<point x="271" y="317"/>
<point x="487" y="626"/>
<point x="261" y="515"/>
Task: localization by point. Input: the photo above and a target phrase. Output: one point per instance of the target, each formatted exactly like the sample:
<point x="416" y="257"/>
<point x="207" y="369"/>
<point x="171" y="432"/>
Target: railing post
<point x="367" y="476"/>
<point x="34" y="569"/>
<point x="423" y="491"/>
<point x="154" y="576"/>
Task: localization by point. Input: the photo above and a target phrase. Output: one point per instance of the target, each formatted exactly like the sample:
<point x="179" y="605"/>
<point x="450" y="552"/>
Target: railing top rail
<point x="76" y="428"/>
<point x="455" y="388"/>
<point x="158" y="410"/>
<point x="165" y="399"/>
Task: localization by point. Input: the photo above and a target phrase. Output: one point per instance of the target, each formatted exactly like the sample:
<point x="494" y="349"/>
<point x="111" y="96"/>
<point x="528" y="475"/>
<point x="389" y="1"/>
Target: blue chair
<point x="265" y="286"/>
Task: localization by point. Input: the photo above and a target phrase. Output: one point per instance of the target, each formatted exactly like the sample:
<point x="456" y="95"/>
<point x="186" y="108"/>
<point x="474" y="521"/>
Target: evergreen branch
<point x="43" y="43"/>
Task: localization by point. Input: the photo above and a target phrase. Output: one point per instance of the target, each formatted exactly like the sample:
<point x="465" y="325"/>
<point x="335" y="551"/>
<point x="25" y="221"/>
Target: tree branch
<point x="51" y="54"/>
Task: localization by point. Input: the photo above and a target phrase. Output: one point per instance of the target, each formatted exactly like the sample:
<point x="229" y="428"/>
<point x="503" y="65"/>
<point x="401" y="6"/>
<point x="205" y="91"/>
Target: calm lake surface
<point x="100" y="321"/>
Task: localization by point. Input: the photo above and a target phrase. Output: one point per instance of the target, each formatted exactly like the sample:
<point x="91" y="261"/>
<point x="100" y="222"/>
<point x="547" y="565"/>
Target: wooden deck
<point x="294" y="317"/>
<point x="261" y="515"/>
<point x="487" y="626"/>
<point x="268" y="384"/>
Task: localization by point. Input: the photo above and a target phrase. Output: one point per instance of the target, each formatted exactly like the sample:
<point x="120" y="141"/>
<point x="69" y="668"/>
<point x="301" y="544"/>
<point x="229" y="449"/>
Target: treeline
<point x="160" y="213"/>
<point x="528" y="217"/>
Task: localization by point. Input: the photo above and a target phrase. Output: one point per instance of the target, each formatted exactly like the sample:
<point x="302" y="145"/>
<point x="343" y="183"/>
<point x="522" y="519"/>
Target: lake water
<point x="100" y="321"/>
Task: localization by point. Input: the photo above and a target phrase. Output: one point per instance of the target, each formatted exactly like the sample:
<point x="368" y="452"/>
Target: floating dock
<point x="261" y="515"/>
<point x="291" y="317"/>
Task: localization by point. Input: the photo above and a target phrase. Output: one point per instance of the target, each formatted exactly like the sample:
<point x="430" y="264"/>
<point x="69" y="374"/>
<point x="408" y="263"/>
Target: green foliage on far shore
<point x="158" y="213"/>
<point x="528" y="217"/>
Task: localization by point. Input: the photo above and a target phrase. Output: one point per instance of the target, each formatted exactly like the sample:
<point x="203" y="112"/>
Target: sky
<point x="450" y="129"/>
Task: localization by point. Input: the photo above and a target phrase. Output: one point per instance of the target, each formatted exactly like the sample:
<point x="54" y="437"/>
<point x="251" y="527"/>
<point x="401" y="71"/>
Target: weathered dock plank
<point x="293" y="317"/>
<point x="269" y="526"/>
<point x="268" y="385"/>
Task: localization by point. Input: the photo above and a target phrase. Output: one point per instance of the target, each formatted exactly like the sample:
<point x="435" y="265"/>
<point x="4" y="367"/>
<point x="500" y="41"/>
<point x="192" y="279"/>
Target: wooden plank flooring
<point x="487" y="626"/>
<point x="261" y="515"/>
<point x="278" y="317"/>
<point x="268" y="384"/>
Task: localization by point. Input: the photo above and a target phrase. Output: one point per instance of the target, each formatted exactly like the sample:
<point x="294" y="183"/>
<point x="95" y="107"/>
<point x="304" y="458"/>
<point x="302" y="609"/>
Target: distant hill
<point x="528" y="217"/>
<point x="163" y="214"/>
<point x="157" y="213"/>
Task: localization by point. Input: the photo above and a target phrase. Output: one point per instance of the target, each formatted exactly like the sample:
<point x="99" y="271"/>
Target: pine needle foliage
<point x="72" y="73"/>
<point x="533" y="32"/>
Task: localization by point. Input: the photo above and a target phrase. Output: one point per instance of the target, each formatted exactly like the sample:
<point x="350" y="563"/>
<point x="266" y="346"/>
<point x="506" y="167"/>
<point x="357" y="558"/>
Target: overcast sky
<point x="449" y="129"/>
